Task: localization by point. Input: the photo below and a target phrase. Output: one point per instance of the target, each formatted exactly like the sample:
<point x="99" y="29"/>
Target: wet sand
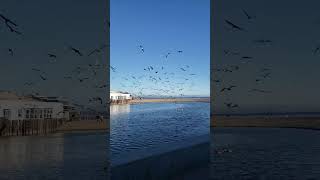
<point x="84" y="125"/>
<point x="166" y="100"/>
<point x="272" y="122"/>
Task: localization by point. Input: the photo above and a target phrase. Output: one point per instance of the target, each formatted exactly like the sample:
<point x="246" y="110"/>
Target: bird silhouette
<point x="94" y="51"/>
<point x="228" y="88"/>
<point x="316" y="50"/>
<point x="247" y="14"/>
<point x="234" y="26"/>
<point x="52" y="55"/>
<point x="167" y="55"/>
<point x="82" y="79"/>
<point x="246" y="57"/>
<point x="113" y="68"/>
<point x="42" y="77"/>
<point x="231" y="105"/>
<point x="141" y="48"/>
<point x="10" y="51"/>
<point x="10" y="23"/>
<point x="77" y="51"/>
<point x="7" y="20"/>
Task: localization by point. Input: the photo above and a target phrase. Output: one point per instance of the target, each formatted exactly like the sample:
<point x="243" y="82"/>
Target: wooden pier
<point x="29" y="127"/>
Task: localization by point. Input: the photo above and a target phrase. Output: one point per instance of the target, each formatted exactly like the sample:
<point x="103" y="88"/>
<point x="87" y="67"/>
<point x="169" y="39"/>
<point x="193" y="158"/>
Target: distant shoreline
<point x="267" y="122"/>
<point x="134" y="101"/>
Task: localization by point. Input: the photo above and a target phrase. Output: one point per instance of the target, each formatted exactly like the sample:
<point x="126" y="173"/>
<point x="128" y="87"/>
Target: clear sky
<point x="160" y="26"/>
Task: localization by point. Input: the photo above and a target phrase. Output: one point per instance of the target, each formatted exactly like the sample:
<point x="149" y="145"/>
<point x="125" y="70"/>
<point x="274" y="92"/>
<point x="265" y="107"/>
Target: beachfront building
<point x="14" y="107"/>
<point x="120" y="97"/>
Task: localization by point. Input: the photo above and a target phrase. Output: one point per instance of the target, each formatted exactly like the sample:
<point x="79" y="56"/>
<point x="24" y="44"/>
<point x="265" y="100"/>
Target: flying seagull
<point x="8" y="23"/>
<point x="316" y="50"/>
<point x="52" y="55"/>
<point x="246" y="57"/>
<point x="141" y="48"/>
<point x="231" y="105"/>
<point x="247" y="14"/>
<point x="10" y="51"/>
<point x="77" y="51"/>
<point x="113" y="68"/>
<point x="94" y="51"/>
<point x="81" y="80"/>
<point x="7" y="20"/>
<point x="234" y="26"/>
<point x="42" y="77"/>
<point x="227" y="88"/>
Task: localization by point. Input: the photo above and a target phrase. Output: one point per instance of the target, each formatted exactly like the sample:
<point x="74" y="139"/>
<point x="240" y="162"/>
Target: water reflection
<point x="119" y="109"/>
<point x="139" y="129"/>
<point x="54" y="156"/>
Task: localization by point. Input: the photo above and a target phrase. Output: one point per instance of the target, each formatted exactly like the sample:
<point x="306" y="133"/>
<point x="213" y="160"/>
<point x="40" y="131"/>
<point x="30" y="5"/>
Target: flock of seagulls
<point x="264" y="73"/>
<point x="171" y="82"/>
<point x="85" y="73"/>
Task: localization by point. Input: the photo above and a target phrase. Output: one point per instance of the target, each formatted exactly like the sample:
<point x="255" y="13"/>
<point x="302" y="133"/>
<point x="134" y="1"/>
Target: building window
<point x="44" y="113"/>
<point x="27" y="114"/>
<point x="49" y="113"/>
<point x="31" y="113"/>
<point x="19" y="112"/>
<point x="6" y="113"/>
<point x="40" y="113"/>
<point x="35" y="113"/>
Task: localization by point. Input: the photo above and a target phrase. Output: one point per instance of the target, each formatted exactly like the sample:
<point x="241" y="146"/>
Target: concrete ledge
<point x="168" y="165"/>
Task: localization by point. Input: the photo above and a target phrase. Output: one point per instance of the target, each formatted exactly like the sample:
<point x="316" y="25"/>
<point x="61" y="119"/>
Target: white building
<point x="14" y="107"/>
<point x="118" y="95"/>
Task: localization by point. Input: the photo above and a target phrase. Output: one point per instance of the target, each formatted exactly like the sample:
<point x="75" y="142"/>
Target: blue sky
<point x="160" y="27"/>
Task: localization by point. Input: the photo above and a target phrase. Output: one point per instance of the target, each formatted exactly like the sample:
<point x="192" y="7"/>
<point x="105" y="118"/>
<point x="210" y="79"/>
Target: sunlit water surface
<point x="141" y="129"/>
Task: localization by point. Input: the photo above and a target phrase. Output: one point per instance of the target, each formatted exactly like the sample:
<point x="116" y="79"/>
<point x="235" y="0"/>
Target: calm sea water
<point x="57" y="156"/>
<point x="141" y="129"/>
<point x="265" y="153"/>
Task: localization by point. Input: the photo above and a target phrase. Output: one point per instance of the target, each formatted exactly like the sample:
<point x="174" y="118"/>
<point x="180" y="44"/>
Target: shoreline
<point x="165" y="100"/>
<point x="312" y="123"/>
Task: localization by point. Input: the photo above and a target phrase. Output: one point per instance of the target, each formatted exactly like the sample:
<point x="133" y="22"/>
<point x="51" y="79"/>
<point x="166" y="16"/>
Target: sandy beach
<point x="166" y="100"/>
<point x="273" y="122"/>
<point x="84" y="125"/>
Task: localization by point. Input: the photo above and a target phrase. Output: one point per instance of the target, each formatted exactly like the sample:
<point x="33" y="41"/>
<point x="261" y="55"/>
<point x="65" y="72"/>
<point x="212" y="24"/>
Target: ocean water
<point x="139" y="130"/>
<point x="265" y="153"/>
<point x="57" y="156"/>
